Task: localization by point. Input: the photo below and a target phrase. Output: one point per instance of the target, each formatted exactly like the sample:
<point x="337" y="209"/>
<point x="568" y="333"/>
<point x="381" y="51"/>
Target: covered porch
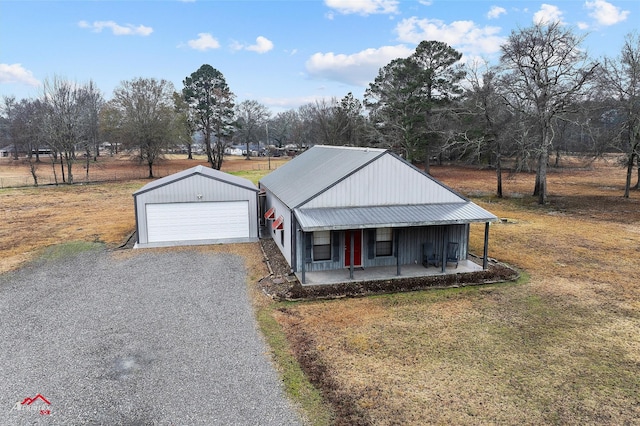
<point x="383" y="273"/>
<point x="385" y="242"/>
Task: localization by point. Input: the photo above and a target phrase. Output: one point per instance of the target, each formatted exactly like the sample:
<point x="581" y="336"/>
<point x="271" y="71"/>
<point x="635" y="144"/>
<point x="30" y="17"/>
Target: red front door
<point x="357" y="248"/>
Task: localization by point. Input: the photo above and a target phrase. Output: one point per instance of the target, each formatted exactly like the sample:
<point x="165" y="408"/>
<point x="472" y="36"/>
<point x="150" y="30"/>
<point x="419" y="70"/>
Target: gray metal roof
<point x="198" y="170"/>
<point x="315" y="170"/>
<point x="391" y="216"/>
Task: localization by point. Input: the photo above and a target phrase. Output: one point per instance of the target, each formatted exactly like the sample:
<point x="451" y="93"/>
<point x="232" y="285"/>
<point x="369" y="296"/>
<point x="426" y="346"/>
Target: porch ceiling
<point x="319" y="219"/>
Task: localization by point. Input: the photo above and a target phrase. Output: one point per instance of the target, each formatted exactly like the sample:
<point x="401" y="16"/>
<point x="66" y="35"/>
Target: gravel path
<point x="146" y="338"/>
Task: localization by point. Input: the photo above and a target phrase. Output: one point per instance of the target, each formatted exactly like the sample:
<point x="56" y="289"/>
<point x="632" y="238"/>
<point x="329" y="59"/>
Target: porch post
<point x="351" y="256"/>
<point x="397" y="238"/>
<point x="445" y="237"/>
<point x="485" y="256"/>
<point x="304" y="257"/>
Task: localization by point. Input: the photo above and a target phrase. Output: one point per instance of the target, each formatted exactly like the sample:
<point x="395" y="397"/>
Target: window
<point x="384" y="242"/>
<point x="322" y="245"/>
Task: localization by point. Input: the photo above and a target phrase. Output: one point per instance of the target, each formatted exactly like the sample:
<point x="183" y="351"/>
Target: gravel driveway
<point x="137" y="338"/>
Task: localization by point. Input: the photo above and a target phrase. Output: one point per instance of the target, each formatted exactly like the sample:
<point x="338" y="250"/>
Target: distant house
<point x="332" y="208"/>
<point x="196" y="206"/>
<point x="7" y="151"/>
<point x="235" y="150"/>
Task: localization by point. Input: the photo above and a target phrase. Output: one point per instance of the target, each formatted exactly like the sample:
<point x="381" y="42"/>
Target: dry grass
<point x="15" y="173"/>
<point x="561" y="348"/>
<point x="33" y="218"/>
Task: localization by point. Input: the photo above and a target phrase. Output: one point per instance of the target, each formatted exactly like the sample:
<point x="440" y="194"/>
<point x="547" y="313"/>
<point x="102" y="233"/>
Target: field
<point x="561" y="346"/>
<point x="33" y="218"/>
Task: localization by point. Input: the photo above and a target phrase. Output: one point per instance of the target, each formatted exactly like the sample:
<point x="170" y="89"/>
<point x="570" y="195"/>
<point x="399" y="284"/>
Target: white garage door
<point x="197" y="221"/>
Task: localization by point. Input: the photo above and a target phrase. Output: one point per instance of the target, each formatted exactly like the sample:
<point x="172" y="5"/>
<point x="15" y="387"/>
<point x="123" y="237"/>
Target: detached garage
<point x="196" y="206"/>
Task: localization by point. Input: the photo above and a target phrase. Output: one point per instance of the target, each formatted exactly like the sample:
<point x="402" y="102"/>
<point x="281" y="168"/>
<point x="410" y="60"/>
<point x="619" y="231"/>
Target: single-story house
<point x="235" y="150"/>
<point x="7" y="150"/>
<point x="199" y="205"/>
<point x="332" y="208"/>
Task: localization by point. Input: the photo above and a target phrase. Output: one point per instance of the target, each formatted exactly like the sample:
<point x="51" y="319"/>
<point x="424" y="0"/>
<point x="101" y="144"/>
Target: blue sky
<point x="281" y="53"/>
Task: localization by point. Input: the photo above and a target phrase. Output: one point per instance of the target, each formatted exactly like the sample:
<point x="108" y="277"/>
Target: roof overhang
<point x="319" y="219"/>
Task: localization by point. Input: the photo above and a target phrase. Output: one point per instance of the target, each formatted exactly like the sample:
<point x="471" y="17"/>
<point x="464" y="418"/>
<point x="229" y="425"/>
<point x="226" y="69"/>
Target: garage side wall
<point x="194" y="189"/>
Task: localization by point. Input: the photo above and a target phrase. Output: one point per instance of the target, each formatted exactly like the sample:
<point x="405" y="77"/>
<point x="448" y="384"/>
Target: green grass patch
<point x="65" y="250"/>
<point x="296" y="384"/>
<point x="253" y="175"/>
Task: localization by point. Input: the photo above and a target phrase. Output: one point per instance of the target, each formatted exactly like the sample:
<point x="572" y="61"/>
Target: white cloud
<point x="606" y="13"/>
<point x="116" y="29"/>
<point x="583" y="25"/>
<point x="16" y="73"/>
<point x="463" y="35"/>
<point x="356" y="69"/>
<point x="363" y="7"/>
<point x="496" y="11"/>
<point x="263" y="45"/>
<point x="548" y="14"/>
<point x="205" y="41"/>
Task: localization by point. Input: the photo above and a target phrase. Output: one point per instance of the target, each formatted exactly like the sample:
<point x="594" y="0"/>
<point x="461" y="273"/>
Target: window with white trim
<point x="321" y="245"/>
<point x="384" y="242"/>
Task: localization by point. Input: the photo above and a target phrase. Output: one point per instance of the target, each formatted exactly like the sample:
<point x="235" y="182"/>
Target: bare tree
<point x="620" y="80"/>
<point x="6" y="120"/>
<point x="281" y="127"/>
<point x="92" y="102"/>
<point x="251" y="117"/>
<point x="67" y="119"/>
<point x="111" y="125"/>
<point x="148" y="114"/>
<point x="548" y="72"/>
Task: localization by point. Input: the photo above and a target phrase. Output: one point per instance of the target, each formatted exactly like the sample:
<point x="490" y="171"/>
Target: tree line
<point x="545" y="97"/>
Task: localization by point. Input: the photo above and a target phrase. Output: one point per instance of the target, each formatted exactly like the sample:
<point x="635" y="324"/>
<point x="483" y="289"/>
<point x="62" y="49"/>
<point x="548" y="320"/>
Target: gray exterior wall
<point x="386" y="181"/>
<point x="284" y="235"/>
<point x="409" y="246"/>
<point x="193" y="189"/>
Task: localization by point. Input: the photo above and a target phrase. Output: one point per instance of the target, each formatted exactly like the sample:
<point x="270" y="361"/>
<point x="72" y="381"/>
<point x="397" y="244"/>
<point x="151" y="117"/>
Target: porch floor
<point x="380" y="273"/>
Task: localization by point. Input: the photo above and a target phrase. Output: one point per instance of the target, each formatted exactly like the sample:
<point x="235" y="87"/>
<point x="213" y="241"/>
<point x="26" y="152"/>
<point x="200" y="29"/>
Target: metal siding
<point x="315" y="170"/>
<point x="386" y="181"/>
<point x="391" y="216"/>
<point x="410" y="247"/>
<point x="187" y="190"/>
<point x="281" y="210"/>
<point x="197" y="170"/>
<point x="411" y="240"/>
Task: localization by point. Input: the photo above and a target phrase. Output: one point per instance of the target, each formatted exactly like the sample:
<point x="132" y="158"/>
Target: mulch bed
<point x="282" y="284"/>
